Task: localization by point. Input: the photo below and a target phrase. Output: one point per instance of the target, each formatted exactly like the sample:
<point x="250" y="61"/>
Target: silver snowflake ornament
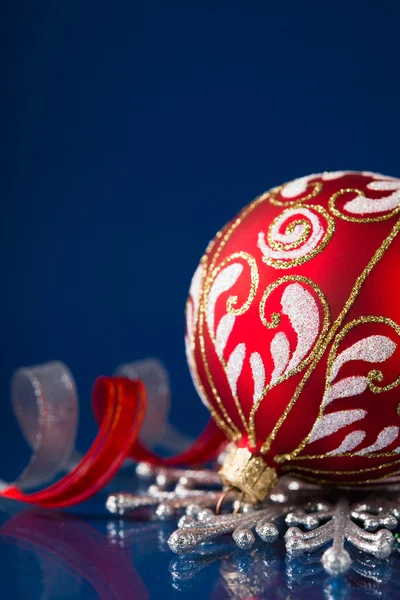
<point x="314" y="518"/>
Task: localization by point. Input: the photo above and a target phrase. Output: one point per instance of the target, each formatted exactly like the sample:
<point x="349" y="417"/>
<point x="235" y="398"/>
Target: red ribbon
<point x="119" y="406"/>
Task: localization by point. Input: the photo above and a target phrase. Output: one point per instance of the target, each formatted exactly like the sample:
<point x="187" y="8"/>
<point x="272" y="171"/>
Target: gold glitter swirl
<point x="323" y="345"/>
<point x="316" y="188"/>
<point x="227" y="425"/>
<point x="291" y="228"/>
<point x="232" y="300"/>
<point x="373" y="375"/>
<point x="338" y="472"/>
<point x="275" y="320"/>
<point x="287" y="262"/>
<point x="335" y="211"/>
<point x="235" y="432"/>
<point x="341" y="484"/>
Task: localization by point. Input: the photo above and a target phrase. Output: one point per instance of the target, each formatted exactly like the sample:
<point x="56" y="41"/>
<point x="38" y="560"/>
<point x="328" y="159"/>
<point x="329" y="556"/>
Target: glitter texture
<point x="349" y="386"/>
<point x="386" y="437"/>
<point x="280" y="352"/>
<point x="223" y="282"/>
<point x="362" y="205"/>
<point x="385" y="186"/>
<point x="299" y="186"/>
<point x="194" y="293"/>
<point x="328" y="424"/>
<point x="374" y="349"/>
<point x="365" y="525"/>
<point x="258" y="371"/>
<point x="317" y="232"/>
<point x="224" y="329"/>
<point x="235" y="366"/>
<point x="301" y="308"/>
<point x="330" y="175"/>
<point x="350" y="442"/>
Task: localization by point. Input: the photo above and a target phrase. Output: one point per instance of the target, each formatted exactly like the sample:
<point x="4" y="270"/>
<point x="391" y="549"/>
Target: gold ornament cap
<point x="249" y="474"/>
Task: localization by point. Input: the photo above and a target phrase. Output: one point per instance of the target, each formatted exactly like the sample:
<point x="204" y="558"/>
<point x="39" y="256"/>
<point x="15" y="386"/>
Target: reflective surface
<point x="85" y="554"/>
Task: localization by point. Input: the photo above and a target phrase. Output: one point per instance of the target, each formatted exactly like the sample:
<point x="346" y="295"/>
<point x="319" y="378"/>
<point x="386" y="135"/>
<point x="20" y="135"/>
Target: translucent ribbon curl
<point x="45" y="403"/>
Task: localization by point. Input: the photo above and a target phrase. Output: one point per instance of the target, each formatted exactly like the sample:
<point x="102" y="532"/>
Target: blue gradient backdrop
<point x="131" y="131"/>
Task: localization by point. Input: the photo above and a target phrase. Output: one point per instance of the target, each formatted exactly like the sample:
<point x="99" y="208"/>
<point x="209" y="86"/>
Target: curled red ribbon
<point x="119" y="405"/>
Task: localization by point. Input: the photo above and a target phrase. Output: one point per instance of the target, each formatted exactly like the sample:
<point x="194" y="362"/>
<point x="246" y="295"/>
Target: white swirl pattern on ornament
<point x="361" y="204"/>
<point x="351" y="441"/>
<point x="349" y="386"/>
<point x="280" y="352"/>
<point x="317" y="233"/>
<point x="258" y="372"/>
<point x="299" y="186"/>
<point x="194" y="295"/>
<point x="222" y="283"/>
<point x="224" y="330"/>
<point x="235" y="366"/>
<point x="297" y="303"/>
<point x="301" y="308"/>
<point x="386" y="437"/>
<point x="365" y="205"/>
<point x="373" y="349"/>
<point x="328" y="424"/>
<point x="192" y="311"/>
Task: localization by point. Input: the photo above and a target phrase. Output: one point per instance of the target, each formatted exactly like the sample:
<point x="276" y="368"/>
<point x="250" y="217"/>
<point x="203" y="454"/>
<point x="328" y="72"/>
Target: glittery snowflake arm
<point x="339" y="528"/>
<point x="313" y="522"/>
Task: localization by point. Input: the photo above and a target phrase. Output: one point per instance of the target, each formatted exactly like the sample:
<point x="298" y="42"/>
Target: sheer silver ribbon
<point x="45" y="403"/>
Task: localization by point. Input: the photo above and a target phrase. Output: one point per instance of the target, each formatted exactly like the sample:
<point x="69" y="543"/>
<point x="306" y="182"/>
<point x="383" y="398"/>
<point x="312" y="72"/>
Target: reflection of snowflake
<point x="323" y="519"/>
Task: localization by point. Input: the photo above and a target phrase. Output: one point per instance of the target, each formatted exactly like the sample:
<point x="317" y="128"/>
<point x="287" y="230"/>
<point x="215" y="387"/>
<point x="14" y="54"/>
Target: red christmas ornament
<point x="293" y="333"/>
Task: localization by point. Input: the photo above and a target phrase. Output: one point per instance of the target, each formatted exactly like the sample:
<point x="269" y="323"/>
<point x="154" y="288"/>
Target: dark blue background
<point x="131" y="131"/>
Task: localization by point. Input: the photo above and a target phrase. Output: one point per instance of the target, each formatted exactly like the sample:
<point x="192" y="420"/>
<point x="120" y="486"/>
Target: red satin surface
<point x="119" y="406"/>
<point x="334" y="266"/>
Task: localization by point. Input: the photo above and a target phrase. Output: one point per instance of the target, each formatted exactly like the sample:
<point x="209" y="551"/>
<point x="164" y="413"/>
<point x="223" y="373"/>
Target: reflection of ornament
<point x="293" y="333"/>
<point x="71" y="542"/>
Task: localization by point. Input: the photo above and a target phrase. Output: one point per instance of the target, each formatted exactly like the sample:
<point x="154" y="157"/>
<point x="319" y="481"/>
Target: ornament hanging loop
<point x="222" y="499"/>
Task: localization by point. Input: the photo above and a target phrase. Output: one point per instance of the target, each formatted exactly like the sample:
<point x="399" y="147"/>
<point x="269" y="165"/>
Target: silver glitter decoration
<point x="386" y="437"/>
<point x="223" y="282"/>
<point x="317" y="232"/>
<point x="387" y="185"/>
<point x="168" y="503"/>
<point x="224" y="330"/>
<point x="301" y="308"/>
<point x="338" y="528"/>
<point x="313" y="520"/>
<point x="364" y="205"/>
<point x="374" y="349"/>
<point x="328" y="424"/>
<point x="349" y="386"/>
<point x="194" y="293"/>
<point x="258" y="372"/>
<point x="280" y="352"/>
<point x="351" y="441"/>
<point x="297" y="186"/>
<point x="235" y="365"/>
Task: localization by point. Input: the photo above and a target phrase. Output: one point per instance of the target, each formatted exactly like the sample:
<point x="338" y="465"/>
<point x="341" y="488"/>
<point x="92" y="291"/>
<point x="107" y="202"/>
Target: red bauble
<point x="293" y="329"/>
